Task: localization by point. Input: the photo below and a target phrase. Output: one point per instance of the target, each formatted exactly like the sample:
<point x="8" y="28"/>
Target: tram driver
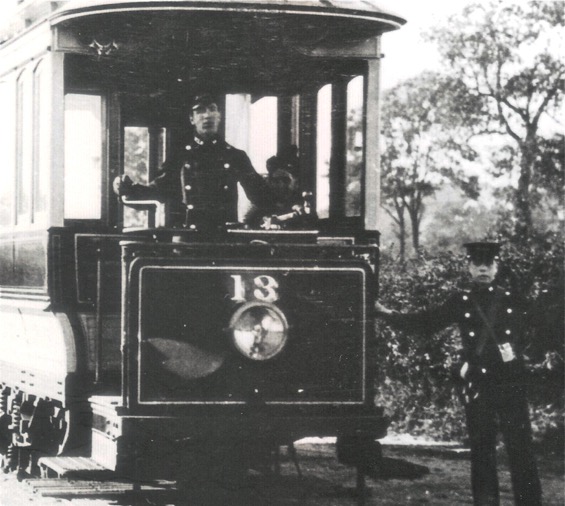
<point x="199" y="181"/>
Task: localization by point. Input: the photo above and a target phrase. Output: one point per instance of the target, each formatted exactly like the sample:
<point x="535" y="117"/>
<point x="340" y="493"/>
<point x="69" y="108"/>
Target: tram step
<point x="68" y="488"/>
<point x="71" y="467"/>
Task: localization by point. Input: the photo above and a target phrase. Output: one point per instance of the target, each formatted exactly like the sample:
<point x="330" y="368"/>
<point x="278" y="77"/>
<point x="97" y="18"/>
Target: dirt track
<point x="325" y="482"/>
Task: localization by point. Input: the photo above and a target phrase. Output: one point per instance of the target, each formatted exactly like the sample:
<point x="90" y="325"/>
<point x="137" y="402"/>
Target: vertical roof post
<point x="372" y="140"/>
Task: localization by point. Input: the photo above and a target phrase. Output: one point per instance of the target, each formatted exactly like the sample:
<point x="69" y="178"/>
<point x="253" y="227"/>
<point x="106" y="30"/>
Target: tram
<point x="133" y="343"/>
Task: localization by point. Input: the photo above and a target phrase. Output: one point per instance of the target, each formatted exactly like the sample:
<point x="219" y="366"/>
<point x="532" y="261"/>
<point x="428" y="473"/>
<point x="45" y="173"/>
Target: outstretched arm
<point x="429" y="320"/>
<point x="255" y="187"/>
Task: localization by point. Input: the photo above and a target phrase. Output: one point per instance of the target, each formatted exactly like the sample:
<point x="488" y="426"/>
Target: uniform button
<point x="509" y="310"/>
<point x="508" y="331"/>
<point x="215" y="141"/>
<point x="490" y="288"/>
<point x="467" y="315"/>
<point x="192" y="226"/>
<point x="483" y="370"/>
<point x="507" y="293"/>
<point x="472" y="334"/>
<point x="465" y="297"/>
<point x="187" y="165"/>
<point x="226" y="165"/>
<point x="188" y="147"/>
<point x="190" y="206"/>
<point x="226" y="187"/>
<point x="188" y="187"/>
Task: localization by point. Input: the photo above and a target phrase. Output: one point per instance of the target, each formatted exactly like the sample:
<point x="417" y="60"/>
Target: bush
<point x="415" y="384"/>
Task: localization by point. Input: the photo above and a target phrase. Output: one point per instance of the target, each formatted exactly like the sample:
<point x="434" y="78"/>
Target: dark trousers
<point x="507" y="405"/>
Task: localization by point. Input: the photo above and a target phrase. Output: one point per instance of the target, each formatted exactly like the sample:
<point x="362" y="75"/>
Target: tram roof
<point x="355" y="9"/>
<point x="251" y="46"/>
<point x="30" y="12"/>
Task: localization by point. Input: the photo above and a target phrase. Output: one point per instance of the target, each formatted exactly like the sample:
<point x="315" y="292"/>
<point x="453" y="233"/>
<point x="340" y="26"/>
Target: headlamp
<point x="259" y="330"/>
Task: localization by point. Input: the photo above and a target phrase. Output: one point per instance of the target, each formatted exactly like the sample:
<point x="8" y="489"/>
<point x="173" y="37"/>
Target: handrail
<point x="156" y="207"/>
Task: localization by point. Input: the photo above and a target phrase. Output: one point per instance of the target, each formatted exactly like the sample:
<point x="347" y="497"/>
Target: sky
<point x="406" y="54"/>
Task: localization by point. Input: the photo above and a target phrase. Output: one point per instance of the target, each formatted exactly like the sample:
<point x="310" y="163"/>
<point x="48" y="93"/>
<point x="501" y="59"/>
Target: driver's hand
<point x="122" y="185"/>
<point x="268" y="223"/>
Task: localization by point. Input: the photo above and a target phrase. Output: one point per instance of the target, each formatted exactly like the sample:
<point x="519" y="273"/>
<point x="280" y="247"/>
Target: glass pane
<point x="263" y="132"/>
<point x="354" y="147"/>
<point x="42" y="130"/>
<point x="7" y="152"/>
<point x="24" y="148"/>
<point x="252" y="126"/>
<point x="136" y="166"/>
<point x="83" y="156"/>
<point x="324" y="149"/>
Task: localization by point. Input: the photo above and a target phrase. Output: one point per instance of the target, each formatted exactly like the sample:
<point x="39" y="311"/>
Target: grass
<point x="325" y="482"/>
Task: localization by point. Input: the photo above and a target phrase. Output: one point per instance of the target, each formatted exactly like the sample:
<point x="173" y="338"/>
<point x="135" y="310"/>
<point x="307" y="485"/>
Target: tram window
<point x="83" y="156"/>
<point x="324" y="149"/>
<point x="260" y="119"/>
<point x="252" y="126"/>
<point x="263" y="127"/>
<point x="24" y="148"/>
<point x="237" y="120"/>
<point x="7" y="151"/>
<point x="41" y="159"/>
<point x="354" y="147"/>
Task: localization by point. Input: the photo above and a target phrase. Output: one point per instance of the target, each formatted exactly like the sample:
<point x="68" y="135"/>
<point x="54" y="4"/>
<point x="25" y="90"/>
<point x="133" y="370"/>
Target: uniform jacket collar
<point x="209" y="142"/>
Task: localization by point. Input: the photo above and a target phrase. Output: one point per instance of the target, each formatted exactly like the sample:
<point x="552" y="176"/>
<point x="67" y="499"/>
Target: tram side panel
<point x="54" y="333"/>
<point x="38" y="354"/>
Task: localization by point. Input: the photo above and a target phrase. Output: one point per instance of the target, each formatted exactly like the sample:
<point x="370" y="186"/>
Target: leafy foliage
<point x="508" y="57"/>
<point x="424" y="147"/>
<point x="415" y="378"/>
<point x="414" y="381"/>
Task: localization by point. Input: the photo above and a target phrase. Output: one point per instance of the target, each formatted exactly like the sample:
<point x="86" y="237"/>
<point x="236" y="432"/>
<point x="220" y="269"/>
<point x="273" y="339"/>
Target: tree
<point x="507" y="56"/>
<point x="424" y="147"/>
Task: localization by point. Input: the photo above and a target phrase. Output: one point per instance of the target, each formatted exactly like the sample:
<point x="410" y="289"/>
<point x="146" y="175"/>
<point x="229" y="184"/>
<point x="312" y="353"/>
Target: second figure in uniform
<point x="491" y="321"/>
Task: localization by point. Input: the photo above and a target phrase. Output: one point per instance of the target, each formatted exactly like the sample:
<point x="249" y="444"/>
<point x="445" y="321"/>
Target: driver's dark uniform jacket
<point x="495" y="383"/>
<point x="199" y="182"/>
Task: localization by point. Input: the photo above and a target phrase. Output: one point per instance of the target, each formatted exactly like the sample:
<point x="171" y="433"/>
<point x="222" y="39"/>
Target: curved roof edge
<point x="356" y="9"/>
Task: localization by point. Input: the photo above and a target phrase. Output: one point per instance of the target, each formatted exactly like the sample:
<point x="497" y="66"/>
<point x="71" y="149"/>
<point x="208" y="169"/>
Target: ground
<point x="325" y="482"/>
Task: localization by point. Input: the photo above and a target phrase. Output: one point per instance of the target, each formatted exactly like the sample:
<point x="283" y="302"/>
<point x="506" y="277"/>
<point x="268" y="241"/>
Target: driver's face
<point x="206" y="120"/>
